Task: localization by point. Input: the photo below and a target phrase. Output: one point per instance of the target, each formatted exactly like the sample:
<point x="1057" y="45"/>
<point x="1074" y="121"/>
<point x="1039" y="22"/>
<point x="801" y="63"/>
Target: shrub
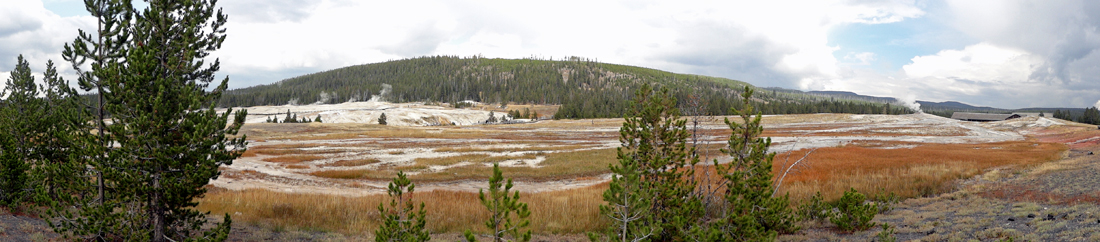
<point x="887" y="234"/>
<point x="885" y="201"/>
<point x="815" y="209"/>
<point x="853" y="213"/>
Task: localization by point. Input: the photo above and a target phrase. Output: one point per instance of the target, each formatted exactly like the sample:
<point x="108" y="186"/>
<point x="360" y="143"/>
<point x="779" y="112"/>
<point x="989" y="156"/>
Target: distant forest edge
<point x="584" y="88"/>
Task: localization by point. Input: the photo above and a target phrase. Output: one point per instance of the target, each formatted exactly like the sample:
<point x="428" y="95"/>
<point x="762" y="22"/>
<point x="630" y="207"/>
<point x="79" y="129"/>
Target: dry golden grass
<point x="544" y="111"/>
<point x="359" y="173"/>
<point x="297" y="166"/>
<point x="472" y="158"/>
<point x="567" y="211"/>
<point x="556" y="166"/>
<point x="924" y="170"/>
<point x="293" y="158"/>
<point x="509" y="149"/>
<point x="356" y="162"/>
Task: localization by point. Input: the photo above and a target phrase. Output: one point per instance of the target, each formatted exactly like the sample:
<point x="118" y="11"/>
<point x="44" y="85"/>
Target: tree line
<point x="1090" y="116"/>
<point x="584" y="88"/>
<point x="128" y="163"/>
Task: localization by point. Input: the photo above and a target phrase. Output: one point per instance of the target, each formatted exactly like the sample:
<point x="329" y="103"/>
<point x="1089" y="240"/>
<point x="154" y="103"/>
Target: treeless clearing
<point x="569" y="211"/>
<point x="293" y="158"/>
<point x="357" y="162"/>
<point x="920" y="171"/>
<point x="910" y="155"/>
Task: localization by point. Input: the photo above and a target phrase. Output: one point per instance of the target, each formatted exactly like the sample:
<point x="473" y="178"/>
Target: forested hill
<point x="584" y="88"/>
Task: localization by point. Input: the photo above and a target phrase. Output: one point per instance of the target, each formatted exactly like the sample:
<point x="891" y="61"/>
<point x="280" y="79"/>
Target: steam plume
<point x="381" y="97"/>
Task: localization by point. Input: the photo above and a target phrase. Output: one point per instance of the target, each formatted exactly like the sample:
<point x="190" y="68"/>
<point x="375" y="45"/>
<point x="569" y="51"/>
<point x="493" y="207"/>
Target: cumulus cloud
<point x="980" y="74"/>
<point x="28" y="29"/>
<point x="1018" y="52"/>
<point x="270" y="10"/>
<point x="1061" y="31"/>
<point x="982" y="62"/>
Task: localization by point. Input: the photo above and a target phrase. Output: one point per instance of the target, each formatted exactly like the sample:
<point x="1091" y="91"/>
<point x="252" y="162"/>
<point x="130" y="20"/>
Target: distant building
<point x="983" y="117"/>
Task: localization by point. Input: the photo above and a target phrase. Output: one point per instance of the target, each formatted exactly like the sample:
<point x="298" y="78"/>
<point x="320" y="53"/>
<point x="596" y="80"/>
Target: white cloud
<point x="4" y="80"/>
<point x="982" y="62"/>
<point x="28" y="29"/>
<point x="862" y="58"/>
<point x="1061" y="31"/>
<point x="769" y="43"/>
<point x="1045" y="47"/>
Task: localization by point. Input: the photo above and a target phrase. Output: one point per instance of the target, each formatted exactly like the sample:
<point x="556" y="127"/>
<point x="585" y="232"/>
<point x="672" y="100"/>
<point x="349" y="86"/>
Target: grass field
<point x="569" y="211"/>
<point x="570" y="149"/>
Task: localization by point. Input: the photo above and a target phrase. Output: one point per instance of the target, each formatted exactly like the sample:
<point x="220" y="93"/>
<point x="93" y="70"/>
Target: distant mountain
<point x="952" y="105"/>
<point x="583" y="88"/>
<point x="853" y="95"/>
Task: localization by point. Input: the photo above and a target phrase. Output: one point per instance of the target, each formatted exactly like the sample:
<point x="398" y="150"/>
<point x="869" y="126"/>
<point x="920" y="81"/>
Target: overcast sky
<point x="1001" y="53"/>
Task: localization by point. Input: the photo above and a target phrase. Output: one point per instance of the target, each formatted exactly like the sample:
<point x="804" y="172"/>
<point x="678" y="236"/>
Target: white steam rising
<point x="910" y="101"/>
<point x="1097" y="105"/>
<point x="381" y="97"/>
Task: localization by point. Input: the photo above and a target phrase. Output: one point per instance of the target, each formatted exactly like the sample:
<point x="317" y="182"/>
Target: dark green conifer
<point x="19" y="114"/>
<point x="168" y="139"/>
<point x="399" y="222"/>
<point x="755" y="212"/>
<point x="502" y="207"/>
<point x="654" y="147"/>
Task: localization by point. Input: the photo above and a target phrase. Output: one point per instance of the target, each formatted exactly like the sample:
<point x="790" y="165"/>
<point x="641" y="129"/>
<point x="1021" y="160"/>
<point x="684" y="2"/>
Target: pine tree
<point x="169" y="139"/>
<point x="399" y="222"/>
<point x="288" y="118"/>
<point x="755" y="212"/>
<point x="628" y="204"/>
<point x="92" y="209"/>
<point x="1091" y="116"/>
<point x="317" y="119"/>
<point x="492" y="118"/>
<point x="61" y="124"/>
<point x="655" y="136"/>
<point x="382" y="119"/>
<point x="501" y="207"/>
<point x="18" y="115"/>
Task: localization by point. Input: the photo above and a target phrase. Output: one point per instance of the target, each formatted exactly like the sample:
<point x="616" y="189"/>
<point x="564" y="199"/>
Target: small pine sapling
<point x="756" y="212"/>
<point x="501" y="208"/>
<point x="853" y="213"/>
<point x="399" y="222"/>
<point x="382" y="119"/>
<point x="816" y="209"/>
<point x="887" y="234"/>
<point x="628" y="204"/>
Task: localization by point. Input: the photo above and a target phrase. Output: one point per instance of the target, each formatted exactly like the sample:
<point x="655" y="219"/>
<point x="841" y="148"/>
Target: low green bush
<point x="853" y="213"/>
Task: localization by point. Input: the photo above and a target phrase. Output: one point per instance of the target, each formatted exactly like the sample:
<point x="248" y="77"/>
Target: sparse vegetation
<point x="502" y="206"/>
<point x="399" y="221"/>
